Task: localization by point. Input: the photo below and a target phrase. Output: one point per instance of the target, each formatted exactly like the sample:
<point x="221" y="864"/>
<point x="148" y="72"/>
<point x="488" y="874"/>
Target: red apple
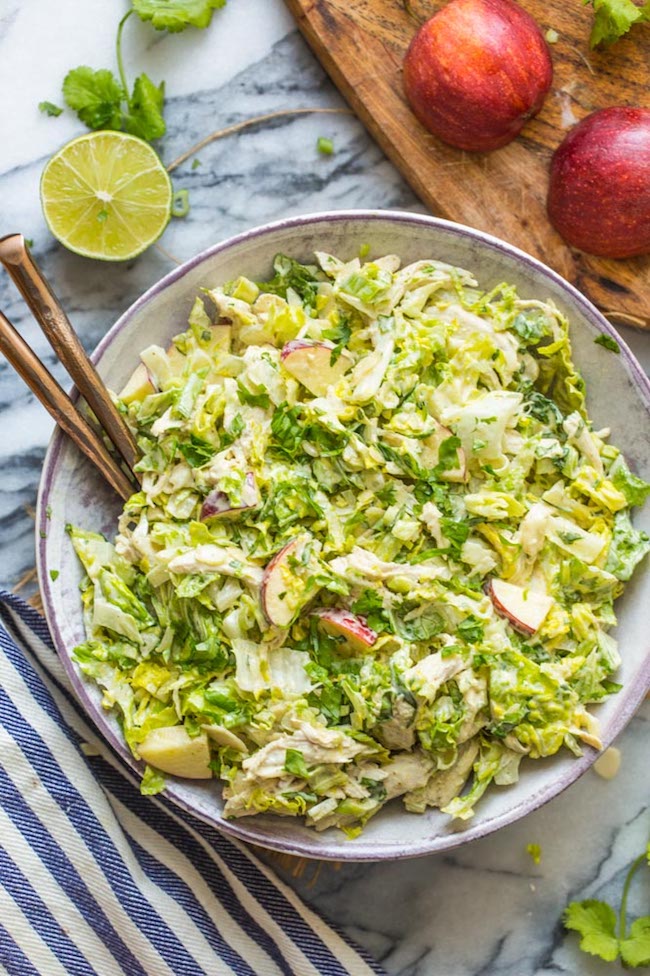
<point x="525" y="609"/>
<point x="476" y="72"/>
<point x="342" y="623"/>
<point x="599" y="194"/>
<point x="311" y="364"/>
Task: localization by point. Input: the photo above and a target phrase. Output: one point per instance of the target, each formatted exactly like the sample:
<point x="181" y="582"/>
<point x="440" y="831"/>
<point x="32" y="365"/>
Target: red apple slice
<point x="342" y="623"/>
<point x="218" y="505"/>
<point x="138" y="386"/>
<point x="284" y="589"/>
<point x="525" y="609"/>
<point x="310" y="363"/>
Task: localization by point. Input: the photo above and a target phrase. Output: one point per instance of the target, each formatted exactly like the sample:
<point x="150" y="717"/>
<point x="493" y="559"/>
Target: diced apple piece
<point x="431" y="446"/>
<point x="173" y="751"/>
<point x="218" y="505"/>
<point x="221" y="337"/>
<point x="224" y="737"/>
<point x="525" y="609"/>
<point x="219" y="342"/>
<point x="284" y="589"/>
<point x="310" y="363"/>
<point x="342" y="623"/>
<point x="138" y="386"/>
<point x="177" y="360"/>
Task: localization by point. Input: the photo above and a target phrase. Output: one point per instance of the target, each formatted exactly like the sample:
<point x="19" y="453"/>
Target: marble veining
<point x="486" y="909"/>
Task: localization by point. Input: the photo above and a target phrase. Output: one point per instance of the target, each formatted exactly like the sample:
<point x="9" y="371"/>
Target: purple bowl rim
<point x="339" y="850"/>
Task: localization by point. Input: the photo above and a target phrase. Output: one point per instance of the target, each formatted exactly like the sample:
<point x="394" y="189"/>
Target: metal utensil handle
<point x="49" y="314"/>
<point x="60" y="406"/>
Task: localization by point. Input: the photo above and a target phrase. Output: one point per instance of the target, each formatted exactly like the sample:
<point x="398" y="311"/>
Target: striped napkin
<point x="97" y="879"/>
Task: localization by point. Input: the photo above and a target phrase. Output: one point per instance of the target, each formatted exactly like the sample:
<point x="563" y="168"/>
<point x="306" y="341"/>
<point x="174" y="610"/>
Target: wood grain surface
<point x="361" y="44"/>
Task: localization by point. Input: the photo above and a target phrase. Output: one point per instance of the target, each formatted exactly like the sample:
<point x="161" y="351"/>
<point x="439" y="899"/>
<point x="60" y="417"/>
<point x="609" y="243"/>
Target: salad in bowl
<point x="376" y="548"/>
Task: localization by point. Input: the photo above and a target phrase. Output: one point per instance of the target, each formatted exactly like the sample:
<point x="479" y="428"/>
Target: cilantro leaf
<point x="145" y="115"/>
<point x="286" y="430"/>
<point x="427" y="625"/>
<point x="595" y="921"/>
<point x="230" y="434"/>
<point x="259" y="398"/>
<point x="49" y="108"/>
<point x="294" y="762"/>
<point x="613" y="18"/>
<point x="176" y="15"/>
<point x="607" y="342"/>
<point x="370" y="605"/>
<point x="471" y="630"/>
<point x="456" y="532"/>
<point x="339" y="334"/>
<point x="447" y="456"/>
<point x="635" y="949"/>
<point x="198" y="452"/>
<point x="96" y="97"/>
<point x="532" y="326"/>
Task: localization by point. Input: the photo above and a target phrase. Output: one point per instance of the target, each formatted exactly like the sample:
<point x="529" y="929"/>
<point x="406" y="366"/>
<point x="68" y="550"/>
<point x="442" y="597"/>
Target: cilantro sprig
<point x="105" y="100"/>
<point x="605" y="934"/>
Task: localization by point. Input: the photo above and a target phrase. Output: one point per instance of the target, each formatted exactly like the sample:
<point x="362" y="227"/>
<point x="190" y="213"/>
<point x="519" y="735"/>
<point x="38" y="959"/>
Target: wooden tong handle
<point x="49" y="314"/>
<point x="60" y="406"/>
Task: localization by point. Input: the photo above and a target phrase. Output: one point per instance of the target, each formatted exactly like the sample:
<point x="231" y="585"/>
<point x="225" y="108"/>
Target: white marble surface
<point x="486" y="909"/>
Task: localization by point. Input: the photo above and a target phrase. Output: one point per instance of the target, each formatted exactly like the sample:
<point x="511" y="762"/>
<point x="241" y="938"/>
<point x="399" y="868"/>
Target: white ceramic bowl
<point x="71" y="490"/>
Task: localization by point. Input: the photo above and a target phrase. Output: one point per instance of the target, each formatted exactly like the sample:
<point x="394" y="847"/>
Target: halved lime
<point x="106" y="195"/>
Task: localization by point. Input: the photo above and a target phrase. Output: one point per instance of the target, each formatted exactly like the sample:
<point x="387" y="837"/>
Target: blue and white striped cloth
<point x="97" y="879"/>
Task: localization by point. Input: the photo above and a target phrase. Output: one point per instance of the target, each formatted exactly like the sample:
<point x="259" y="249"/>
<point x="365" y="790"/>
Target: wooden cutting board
<point x="361" y="44"/>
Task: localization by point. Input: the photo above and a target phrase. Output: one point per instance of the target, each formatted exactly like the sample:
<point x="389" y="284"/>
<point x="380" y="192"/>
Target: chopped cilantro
<point x="286" y="430"/>
<point x="301" y="278"/>
<point x="197" y="452"/>
<point x="370" y="606"/>
<point x="339" y="334"/>
<point x="258" y="399"/>
<point x="607" y="342"/>
<point x="471" y="630"/>
<point x="532" y="326"/>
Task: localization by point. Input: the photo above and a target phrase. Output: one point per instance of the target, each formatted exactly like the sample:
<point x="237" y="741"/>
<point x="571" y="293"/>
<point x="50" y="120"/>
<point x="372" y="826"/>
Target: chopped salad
<point x="376" y="550"/>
